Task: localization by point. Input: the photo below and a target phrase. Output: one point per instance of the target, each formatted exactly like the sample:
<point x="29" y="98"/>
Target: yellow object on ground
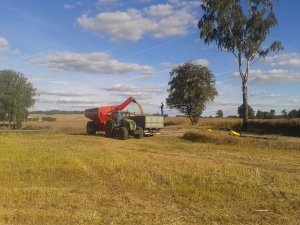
<point x="235" y="133"/>
<point x="210" y="130"/>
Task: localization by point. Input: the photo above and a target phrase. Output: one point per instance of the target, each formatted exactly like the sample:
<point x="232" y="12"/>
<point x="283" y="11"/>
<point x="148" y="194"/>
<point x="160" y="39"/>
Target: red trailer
<point x="114" y="122"/>
<point x="100" y="116"/>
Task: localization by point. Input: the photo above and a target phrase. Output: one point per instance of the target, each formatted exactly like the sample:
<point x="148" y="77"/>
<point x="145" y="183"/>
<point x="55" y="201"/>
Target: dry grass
<point x="71" y="123"/>
<point x="181" y="122"/>
<point x="215" y="137"/>
<point x="60" y="178"/>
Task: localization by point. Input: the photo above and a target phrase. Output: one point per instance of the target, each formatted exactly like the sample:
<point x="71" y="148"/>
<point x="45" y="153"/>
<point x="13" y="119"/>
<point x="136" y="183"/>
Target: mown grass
<point x="60" y="178"/>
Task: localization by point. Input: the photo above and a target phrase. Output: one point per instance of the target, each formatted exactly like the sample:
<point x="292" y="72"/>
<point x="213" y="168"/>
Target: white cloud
<point x="293" y="101"/>
<point x="159" y="21"/>
<point x="291" y="59"/>
<point x="221" y="93"/>
<point x="263" y="95"/>
<point x="159" y="10"/>
<point x="65" y="100"/>
<point x="142" y="1"/>
<point x="69" y="6"/>
<point x="201" y="62"/>
<point x="106" y="2"/>
<point x="120" y="88"/>
<point x="187" y="5"/>
<point x="63" y="93"/>
<point x="15" y="51"/>
<point x="97" y="63"/>
<point x="4" y="45"/>
<point x="168" y="65"/>
<point x="70" y="100"/>
<point x="276" y="76"/>
<point x="124" y="90"/>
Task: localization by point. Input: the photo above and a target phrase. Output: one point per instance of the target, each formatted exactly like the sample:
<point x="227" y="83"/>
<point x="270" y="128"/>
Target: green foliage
<point x="240" y="29"/>
<point x="219" y="113"/>
<point x="191" y="87"/>
<point x="265" y="114"/>
<point x="241" y="111"/>
<point x="284" y="113"/>
<point x="294" y="114"/>
<point x="16" y="96"/>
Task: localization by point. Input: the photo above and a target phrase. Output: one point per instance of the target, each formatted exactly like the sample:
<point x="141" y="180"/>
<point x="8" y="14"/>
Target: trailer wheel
<point x="122" y="133"/>
<point x="91" y="128"/>
<point x="108" y="129"/>
<point x="139" y="133"/>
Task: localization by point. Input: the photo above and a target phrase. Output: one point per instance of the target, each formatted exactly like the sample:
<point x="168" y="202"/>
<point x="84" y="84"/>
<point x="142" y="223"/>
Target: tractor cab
<point x="118" y="116"/>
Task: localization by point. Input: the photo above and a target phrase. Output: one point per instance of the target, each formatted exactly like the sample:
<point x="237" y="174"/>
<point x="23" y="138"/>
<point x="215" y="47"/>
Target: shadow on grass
<point x="85" y="134"/>
<point x="279" y="127"/>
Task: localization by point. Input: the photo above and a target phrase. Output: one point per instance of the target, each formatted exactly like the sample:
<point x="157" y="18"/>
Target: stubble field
<point x="61" y="176"/>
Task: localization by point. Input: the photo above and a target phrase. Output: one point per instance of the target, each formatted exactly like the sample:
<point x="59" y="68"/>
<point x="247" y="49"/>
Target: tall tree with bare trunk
<point x="240" y="28"/>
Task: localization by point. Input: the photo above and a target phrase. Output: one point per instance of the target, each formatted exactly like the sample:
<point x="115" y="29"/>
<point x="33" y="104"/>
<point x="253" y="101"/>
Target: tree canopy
<point x="191" y="87"/>
<point x="294" y="114"/>
<point x="241" y="29"/>
<point x="241" y="111"/>
<point x="219" y="113"/>
<point x="16" y="96"/>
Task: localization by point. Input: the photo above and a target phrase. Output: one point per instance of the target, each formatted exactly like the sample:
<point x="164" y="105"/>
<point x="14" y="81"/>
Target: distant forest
<point x="53" y="112"/>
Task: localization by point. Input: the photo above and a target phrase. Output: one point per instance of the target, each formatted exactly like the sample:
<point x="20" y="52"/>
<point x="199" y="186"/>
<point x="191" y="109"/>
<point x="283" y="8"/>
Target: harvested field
<point x="66" y="177"/>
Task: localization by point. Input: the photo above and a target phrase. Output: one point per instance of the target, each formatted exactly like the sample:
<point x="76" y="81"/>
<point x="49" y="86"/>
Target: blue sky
<point x="89" y="53"/>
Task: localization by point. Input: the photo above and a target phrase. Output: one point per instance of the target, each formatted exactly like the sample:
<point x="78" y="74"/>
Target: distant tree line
<point x="16" y="97"/>
<point x="262" y="114"/>
<point x="294" y="114"/>
<point x="44" y="118"/>
<point x="53" y="112"/>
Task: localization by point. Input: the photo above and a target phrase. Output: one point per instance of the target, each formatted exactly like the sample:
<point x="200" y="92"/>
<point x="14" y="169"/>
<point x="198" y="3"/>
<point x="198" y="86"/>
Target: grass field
<point x="65" y="177"/>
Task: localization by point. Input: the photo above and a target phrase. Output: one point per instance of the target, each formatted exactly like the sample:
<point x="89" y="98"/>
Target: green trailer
<point x="150" y="124"/>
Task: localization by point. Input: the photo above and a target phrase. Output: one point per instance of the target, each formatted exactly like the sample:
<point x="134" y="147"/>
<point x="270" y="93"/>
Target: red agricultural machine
<point x="118" y="123"/>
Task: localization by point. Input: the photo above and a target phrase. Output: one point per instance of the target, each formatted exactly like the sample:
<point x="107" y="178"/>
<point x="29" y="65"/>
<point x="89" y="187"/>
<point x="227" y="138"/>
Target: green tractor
<point x="122" y="127"/>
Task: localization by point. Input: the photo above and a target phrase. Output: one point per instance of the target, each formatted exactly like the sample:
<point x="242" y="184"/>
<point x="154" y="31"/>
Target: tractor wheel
<point x="139" y="133"/>
<point x="122" y="133"/>
<point x="91" y="128"/>
<point x="109" y="132"/>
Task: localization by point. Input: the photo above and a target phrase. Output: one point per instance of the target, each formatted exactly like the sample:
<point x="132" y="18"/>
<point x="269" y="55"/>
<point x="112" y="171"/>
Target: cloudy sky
<point x="88" y="53"/>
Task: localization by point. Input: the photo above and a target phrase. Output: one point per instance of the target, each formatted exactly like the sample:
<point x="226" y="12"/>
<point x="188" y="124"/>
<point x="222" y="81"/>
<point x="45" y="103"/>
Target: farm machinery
<point x="118" y="123"/>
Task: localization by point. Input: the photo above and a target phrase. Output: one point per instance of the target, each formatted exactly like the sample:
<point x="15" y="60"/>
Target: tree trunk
<point x="191" y="119"/>
<point x="245" y="104"/>
<point x="244" y="77"/>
